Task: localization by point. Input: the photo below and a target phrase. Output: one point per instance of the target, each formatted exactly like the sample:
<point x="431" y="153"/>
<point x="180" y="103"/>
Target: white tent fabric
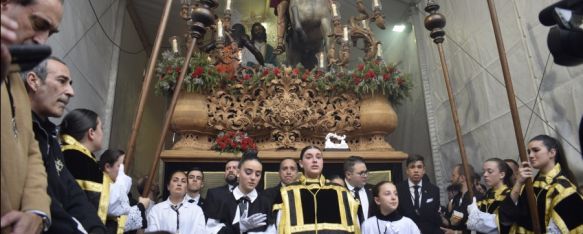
<point x="477" y="81"/>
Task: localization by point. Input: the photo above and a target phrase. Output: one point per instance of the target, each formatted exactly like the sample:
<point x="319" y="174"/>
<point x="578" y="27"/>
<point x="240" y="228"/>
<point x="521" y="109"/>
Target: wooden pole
<point x="456" y="121"/>
<point x="435" y="23"/>
<point x="168" y="117"/>
<point x="515" y="117"/>
<point x="146" y="85"/>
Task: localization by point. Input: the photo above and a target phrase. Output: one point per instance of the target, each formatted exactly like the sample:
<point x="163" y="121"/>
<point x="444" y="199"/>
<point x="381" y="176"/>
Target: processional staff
<point x="202" y="17"/>
<point x="146" y="85"/>
<point x="435" y="22"/>
<point x="515" y="117"/>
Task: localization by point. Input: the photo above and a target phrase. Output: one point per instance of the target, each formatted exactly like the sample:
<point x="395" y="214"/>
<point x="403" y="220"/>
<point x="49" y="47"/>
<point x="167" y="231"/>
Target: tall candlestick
<point x="334" y="10"/>
<point x="220" y="29"/>
<point x="321" y="59"/>
<point x="379" y="51"/>
<point x="345" y="36"/>
<point x="228" y="7"/>
<point x="174" y="44"/>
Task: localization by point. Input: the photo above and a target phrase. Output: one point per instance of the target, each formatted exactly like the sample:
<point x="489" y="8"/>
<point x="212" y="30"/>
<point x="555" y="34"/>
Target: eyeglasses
<point x="363" y="174"/>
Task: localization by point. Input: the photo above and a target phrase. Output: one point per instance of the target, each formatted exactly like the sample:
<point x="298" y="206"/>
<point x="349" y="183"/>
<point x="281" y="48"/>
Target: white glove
<point x="480" y="221"/>
<point x="251" y="222"/>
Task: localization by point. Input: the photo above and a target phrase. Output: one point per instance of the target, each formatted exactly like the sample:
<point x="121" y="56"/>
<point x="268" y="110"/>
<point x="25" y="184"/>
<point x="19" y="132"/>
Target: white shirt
<point x="363" y="198"/>
<point x="163" y="218"/>
<point x="402" y="226"/>
<point x="412" y="190"/>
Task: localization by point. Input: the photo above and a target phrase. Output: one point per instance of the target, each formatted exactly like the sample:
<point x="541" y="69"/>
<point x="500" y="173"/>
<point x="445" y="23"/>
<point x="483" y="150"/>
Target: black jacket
<point x="427" y="216"/>
<point x="67" y="198"/>
<point x="213" y="199"/>
<point x="372" y="206"/>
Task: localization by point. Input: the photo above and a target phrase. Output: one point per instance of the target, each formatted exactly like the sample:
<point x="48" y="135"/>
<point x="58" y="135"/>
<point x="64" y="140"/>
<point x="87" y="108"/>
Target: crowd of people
<point x="52" y="181"/>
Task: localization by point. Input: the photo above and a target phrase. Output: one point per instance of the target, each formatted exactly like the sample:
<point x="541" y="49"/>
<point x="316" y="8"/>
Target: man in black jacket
<point x="288" y="173"/>
<point x="355" y="178"/>
<point x="49" y="89"/>
<point x="215" y="195"/>
<point x="418" y="198"/>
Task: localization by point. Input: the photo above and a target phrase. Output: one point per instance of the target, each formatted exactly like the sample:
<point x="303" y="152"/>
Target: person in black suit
<point x="418" y="198"/>
<point x="355" y="178"/>
<point x="458" y="214"/>
<point x="214" y="195"/>
<point x="195" y="184"/>
<point x="288" y="173"/>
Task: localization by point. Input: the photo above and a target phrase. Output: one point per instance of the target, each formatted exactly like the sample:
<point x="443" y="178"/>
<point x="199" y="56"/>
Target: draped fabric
<point x="492" y="201"/>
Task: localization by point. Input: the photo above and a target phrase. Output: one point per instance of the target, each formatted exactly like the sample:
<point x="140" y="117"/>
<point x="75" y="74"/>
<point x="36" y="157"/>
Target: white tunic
<point x="405" y="225"/>
<point x="163" y="218"/>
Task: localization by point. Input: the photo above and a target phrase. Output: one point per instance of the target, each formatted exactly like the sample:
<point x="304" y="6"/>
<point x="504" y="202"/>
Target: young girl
<point x="554" y="188"/>
<point x="387" y="220"/>
<point x="244" y="210"/>
<point x="483" y="216"/>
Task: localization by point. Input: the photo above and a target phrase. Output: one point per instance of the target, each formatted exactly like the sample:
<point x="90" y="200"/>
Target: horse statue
<point x="310" y="29"/>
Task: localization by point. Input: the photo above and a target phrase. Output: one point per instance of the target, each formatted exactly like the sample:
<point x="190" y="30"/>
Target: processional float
<point x="435" y="22"/>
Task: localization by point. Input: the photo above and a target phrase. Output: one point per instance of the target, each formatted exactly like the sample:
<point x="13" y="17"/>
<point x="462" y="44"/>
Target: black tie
<point x="243" y="204"/>
<point x="416" y="203"/>
<point x="357" y="197"/>
<point x="176" y="208"/>
<point x="191" y="200"/>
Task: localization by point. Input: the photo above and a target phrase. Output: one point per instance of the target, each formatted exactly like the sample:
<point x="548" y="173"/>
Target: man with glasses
<point x="418" y="198"/>
<point x="356" y="177"/>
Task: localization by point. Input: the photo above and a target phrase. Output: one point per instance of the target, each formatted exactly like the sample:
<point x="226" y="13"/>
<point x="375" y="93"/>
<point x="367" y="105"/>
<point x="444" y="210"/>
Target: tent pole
<point x="515" y="115"/>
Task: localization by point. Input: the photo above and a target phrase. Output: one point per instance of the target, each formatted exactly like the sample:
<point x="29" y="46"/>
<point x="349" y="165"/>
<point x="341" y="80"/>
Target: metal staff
<point x="146" y="85"/>
<point x="515" y="117"/>
<point x="202" y="17"/>
<point x="435" y="22"/>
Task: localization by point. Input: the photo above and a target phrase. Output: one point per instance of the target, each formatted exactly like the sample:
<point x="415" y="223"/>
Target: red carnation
<point x="197" y="72"/>
<point x="370" y="74"/>
<point x="178" y="68"/>
<point x="276" y="71"/>
<point x="386" y="76"/>
<point x="265" y="72"/>
<point x="295" y="71"/>
<point x="360" y="67"/>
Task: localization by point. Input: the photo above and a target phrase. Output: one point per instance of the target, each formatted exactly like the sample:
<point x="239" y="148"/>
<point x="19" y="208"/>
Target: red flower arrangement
<point x="233" y="142"/>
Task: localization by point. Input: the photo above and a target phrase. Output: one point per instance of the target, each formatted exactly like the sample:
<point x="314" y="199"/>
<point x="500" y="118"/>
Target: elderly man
<point x="25" y="202"/>
<point x="49" y="89"/>
<point x="288" y="173"/>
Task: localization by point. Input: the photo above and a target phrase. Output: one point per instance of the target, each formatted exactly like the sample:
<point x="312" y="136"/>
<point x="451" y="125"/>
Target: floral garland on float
<point x="368" y="78"/>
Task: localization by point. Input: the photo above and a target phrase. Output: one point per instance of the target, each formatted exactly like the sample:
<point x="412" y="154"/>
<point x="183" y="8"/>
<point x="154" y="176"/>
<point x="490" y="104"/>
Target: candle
<point x="174" y="44"/>
<point x="345" y="36"/>
<point x="220" y="29"/>
<point x="240" y="55"/>
<point x="375" y="3"/>
<point x="321" y="60"/>
<point x="334" y="10"/>
<point x="228" y="7"/>
<point x="379" y="50"/>
<point x="364" y="24"/>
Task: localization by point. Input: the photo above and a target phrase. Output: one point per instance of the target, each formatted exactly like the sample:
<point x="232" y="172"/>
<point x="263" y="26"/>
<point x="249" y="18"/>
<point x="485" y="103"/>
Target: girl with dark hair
<point x="388" y="220"/>
<point x="554" y="189"/>
<point x="483" y="216"/>
<point x="81" y="135"/>
<point x="312" y="204"/>
<point x="245" y="210"/>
